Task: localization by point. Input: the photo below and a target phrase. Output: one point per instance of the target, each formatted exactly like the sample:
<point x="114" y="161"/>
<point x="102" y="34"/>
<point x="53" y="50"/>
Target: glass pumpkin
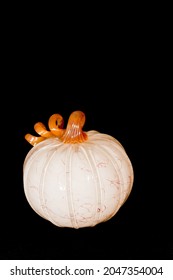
<point x="74" y="178"/>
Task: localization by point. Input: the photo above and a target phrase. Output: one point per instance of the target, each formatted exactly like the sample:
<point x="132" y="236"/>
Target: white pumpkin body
<point x="78" y="185"/>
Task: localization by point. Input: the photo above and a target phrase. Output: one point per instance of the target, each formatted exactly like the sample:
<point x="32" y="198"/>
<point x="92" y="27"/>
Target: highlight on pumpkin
<point x="72" y="134"/>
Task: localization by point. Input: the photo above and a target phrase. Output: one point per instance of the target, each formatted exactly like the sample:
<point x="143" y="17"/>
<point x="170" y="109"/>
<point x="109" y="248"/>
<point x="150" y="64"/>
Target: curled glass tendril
<point x="72" y="134"/>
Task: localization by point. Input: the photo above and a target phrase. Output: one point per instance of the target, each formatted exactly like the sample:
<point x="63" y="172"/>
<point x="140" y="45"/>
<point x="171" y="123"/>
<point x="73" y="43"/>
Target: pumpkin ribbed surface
<point x="77" y="185"/>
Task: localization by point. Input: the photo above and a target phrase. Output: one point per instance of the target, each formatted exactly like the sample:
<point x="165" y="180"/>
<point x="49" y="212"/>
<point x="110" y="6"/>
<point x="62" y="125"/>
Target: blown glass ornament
<point x="75" y="178"/>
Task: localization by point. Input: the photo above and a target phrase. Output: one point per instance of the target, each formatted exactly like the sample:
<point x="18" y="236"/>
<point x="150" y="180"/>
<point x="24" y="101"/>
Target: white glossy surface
<point x="78" y="185"/>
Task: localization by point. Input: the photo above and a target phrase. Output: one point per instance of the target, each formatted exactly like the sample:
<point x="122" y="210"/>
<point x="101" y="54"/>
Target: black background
<point x="117" y="78"/>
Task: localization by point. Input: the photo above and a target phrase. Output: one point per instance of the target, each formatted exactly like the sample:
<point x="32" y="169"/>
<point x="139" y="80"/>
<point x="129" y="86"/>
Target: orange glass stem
<point x="72" y="134"/>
